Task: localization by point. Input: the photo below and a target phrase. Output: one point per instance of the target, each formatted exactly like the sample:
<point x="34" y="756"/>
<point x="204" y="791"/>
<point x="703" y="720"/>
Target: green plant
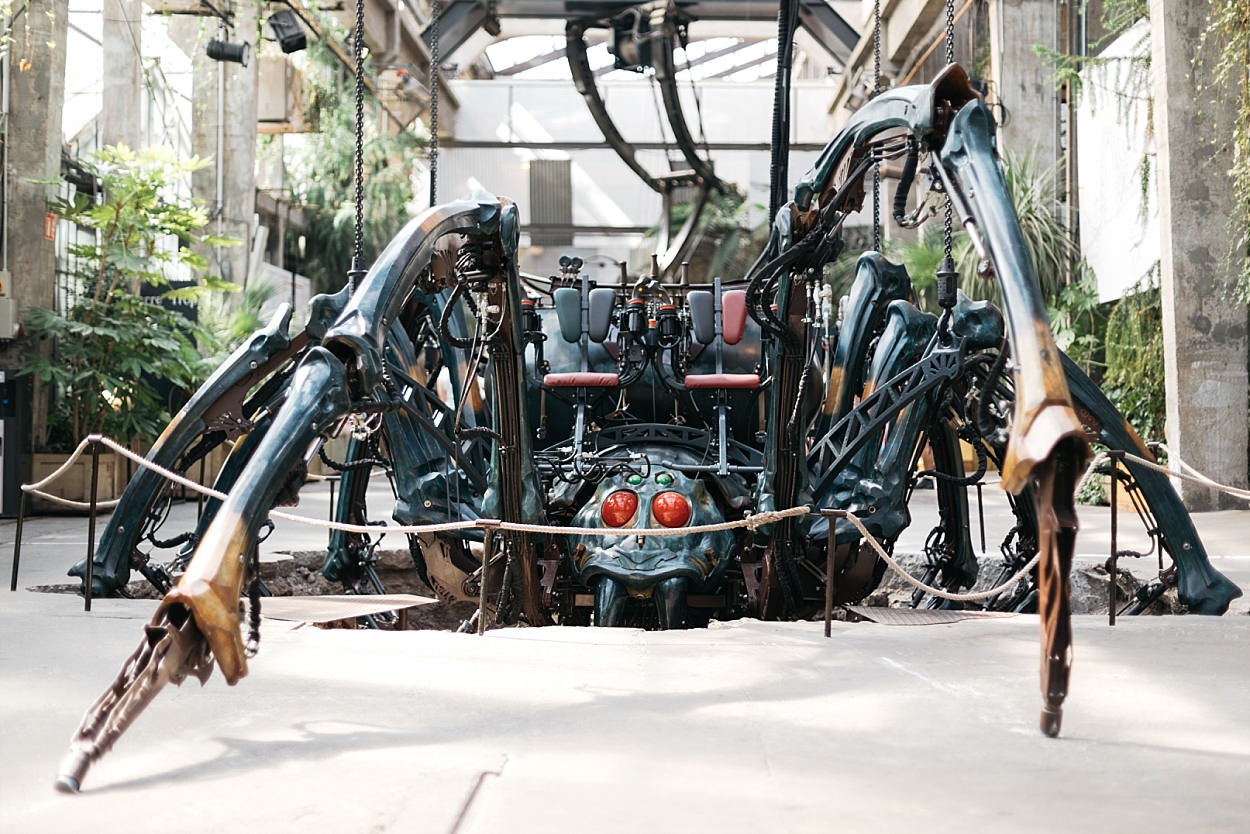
<point x="1055" y="256"/>
<point x="110" y="340"/>
<point x="1134" y="345"/>
<point x="320" y="167"/>
<point x="228" y="325"/>
<point x="1227" y="31"/>
<point x="1116" y="17"/>
<point x="1077" y="320"/>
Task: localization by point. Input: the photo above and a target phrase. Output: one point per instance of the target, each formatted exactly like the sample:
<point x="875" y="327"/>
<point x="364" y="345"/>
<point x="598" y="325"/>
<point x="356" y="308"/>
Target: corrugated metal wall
<point x="551" y="202"/>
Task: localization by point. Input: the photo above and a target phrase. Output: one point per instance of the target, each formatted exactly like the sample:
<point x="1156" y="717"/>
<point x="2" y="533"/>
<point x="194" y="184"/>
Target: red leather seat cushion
<point x="582" y="380"/>
<point x="705" y="381"/>
<point x="733" y="316"/>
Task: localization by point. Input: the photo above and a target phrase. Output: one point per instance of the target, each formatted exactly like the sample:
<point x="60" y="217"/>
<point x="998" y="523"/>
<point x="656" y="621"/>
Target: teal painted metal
<point x="446" y="367"/>
<point x="443" y="306"/>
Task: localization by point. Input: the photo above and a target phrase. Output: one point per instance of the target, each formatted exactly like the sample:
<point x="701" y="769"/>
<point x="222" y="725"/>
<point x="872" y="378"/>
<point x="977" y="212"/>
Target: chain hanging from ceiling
<point x="876" y="90"/>
<point x="357" y="270"/>
<point x="947" y="275"/>
<point x="436" y="10"/>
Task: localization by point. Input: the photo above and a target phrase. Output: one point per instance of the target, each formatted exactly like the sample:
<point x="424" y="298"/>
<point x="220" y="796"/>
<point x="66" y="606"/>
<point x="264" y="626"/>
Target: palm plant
<point x="1055" y="255"/>
<point x="1065" y="279"/>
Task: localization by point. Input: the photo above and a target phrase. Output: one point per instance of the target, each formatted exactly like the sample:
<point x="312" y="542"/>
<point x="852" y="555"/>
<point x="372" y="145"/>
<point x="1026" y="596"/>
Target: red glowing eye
<point x="619" y="507"/>
<point x="672" y="509"/>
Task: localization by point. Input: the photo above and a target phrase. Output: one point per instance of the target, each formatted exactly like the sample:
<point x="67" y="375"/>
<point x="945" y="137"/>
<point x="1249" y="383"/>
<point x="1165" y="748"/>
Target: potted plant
<point x="117" y="337"/>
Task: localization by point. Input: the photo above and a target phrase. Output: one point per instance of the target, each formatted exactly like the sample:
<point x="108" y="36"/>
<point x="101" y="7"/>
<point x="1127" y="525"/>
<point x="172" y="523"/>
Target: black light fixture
<point x="287" y="30"/>
<point x="235" y="53"/>
<point x="631" y="41"/>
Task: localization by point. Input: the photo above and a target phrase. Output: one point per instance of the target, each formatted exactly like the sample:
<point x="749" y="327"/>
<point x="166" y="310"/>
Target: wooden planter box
<point x="1123" y="501"/>
<point x="75" y="483"/>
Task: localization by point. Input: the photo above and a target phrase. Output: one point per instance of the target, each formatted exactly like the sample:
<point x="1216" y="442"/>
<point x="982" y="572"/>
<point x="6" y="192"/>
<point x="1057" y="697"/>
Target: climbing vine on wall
<point x="1134" y="345"/>
<point x="1228" y="33"/>
<point x="1223" y="64"/>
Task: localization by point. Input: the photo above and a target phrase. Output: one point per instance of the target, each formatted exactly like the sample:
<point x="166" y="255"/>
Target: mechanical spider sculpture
<point x="554" y="443"/>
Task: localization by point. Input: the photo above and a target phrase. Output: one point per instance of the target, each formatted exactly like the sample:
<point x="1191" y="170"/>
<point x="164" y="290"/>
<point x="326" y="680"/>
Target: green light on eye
<point x="634" y="480"/>
<point x="664" y="479"/>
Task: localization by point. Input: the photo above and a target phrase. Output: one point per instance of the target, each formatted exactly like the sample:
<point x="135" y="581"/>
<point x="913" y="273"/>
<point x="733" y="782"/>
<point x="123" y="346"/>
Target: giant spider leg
<point x="171" y="649"/>
<point x="213" y="415"/>
<point x="198" y="621"/>
<point x="1201" y="588"/>
<point x="1046" y="440"/>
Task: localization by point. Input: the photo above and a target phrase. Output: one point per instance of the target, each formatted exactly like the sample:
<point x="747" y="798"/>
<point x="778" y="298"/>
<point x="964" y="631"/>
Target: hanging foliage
<point x="320" y="168"/>
<point x="1134" y="344"/>
<point x="1222" y="65"/>
<point x="1228" y="34"/>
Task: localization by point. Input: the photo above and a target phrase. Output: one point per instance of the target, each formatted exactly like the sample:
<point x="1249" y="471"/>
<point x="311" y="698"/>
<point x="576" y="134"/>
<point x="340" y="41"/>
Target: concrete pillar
<point x="1024" y="82"/>
<point x="121" y="117"/>
<point x="224" y="128"/>
<point x="1204" y="332"/>
<point x="35" y="77"/>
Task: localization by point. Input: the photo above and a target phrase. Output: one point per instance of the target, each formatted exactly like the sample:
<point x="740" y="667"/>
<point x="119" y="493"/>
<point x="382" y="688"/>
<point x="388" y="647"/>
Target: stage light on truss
<point x="288" y="31"/>
<point x="235" y="53"/>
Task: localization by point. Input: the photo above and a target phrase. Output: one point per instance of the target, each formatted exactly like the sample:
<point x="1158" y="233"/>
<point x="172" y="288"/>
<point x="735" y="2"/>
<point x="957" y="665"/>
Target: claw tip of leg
<point x="1052" y="718"/>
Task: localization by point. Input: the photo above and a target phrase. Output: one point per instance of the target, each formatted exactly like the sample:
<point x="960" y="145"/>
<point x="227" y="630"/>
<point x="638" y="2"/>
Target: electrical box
<point x="8" y="307"/>
<point x="8" y="318"/>
<point x="14" y="421"/>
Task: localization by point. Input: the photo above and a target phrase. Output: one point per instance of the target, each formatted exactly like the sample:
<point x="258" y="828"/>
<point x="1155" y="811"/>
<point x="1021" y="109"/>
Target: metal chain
<point x="436" y="9"/>
<point x="950" y="32"/>
<point x="876" y="89"/>
<point x="948" y="231"/>
<point x="358" y="44"/>
<point x="948" y="227"/>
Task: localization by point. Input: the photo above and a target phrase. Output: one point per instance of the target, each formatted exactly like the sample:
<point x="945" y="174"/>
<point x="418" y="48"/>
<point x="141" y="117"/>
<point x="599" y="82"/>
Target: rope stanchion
<point x="1185" y="473"/>
<point x="929" y="589"/>
<point x="751" y="522"/>
<point x="37" y="487"/>
<point x="17" y="539"/>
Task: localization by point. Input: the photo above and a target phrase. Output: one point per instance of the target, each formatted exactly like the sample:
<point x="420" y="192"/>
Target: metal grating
<point x="331" y="608"/>
<point x="921" y="616"/>
<point x="551" y="202"/>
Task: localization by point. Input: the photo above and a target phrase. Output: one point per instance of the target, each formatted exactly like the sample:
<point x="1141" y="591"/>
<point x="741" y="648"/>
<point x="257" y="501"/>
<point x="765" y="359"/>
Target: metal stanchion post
<point x="488" y="543"/>
<point x="95" y="474"/>
<point x="832" y="515"/>
<point x="1116" y="456"/>
<point x="981" y="516"/>
<point x="17" y="542"/>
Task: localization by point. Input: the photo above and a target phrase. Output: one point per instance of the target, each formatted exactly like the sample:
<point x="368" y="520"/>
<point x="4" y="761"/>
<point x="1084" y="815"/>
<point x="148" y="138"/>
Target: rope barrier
<point x="929" y="589"/>
<point x="1188" y="474"/>
<point x="37" y="487"/>
<point x="752" y="522"/>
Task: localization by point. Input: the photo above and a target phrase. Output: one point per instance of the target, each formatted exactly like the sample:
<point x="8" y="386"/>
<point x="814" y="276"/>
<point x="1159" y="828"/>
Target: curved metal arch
<point x="673" y="246"/>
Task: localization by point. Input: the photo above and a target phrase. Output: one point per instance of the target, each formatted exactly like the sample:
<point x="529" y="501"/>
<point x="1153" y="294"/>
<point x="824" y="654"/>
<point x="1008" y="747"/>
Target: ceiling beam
<point x="460" y="19"/>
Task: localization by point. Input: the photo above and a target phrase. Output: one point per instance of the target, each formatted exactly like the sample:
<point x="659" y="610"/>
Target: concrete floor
<point x="745" y="727"/>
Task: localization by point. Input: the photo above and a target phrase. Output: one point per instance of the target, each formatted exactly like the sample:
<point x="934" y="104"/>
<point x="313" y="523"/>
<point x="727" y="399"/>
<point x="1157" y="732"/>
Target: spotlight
<point x="236" y="53"/>
<point x="286" y="29"/>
